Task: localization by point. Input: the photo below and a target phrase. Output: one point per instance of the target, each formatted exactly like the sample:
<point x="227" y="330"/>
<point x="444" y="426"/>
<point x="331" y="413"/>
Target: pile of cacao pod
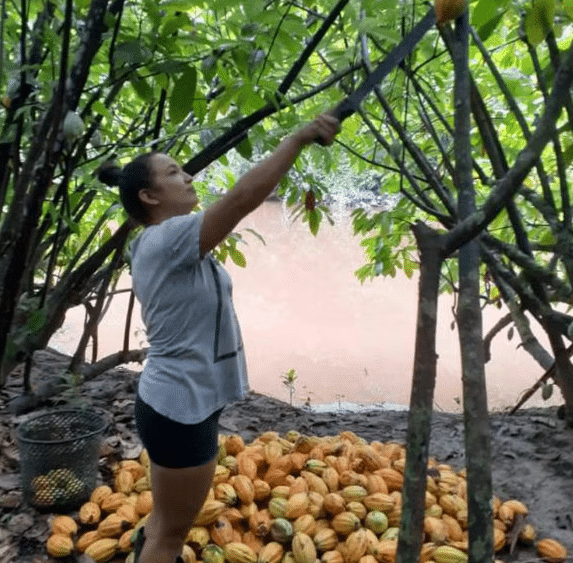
<point x="296" y="499"/>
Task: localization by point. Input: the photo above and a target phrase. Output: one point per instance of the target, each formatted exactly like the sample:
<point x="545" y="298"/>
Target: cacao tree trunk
<point x="476" y="416"/>
<point x="430" y="246"/>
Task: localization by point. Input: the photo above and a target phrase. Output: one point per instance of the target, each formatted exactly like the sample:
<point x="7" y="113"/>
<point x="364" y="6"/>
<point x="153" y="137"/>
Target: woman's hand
<point x="322" y="129"/>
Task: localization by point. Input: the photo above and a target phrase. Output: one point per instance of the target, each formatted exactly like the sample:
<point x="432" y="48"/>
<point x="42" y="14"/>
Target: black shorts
<point x="173" y="444"/>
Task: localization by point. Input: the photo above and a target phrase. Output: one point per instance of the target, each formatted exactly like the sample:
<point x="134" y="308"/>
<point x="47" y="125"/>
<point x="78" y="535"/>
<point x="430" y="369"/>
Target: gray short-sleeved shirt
<point x="196" y="362"/>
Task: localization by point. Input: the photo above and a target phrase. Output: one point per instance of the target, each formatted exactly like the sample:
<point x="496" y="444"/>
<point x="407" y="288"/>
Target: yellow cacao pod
<point x="345" y="523"/>
<point x="506" y="514"/>
<point x="282" y="491"/>
<point x="113" y="526"/>
<point x="517" y="506"/>
<point x="59" y="545"/>
<point x="305" y="523"/>
<point x="260" y="522"/>
<point x="499" y="539"/>
<point x="435" y="529"/>
<point x="223" y="472"/>
<point x="244" y="487"/>
<point x="86" y="539"/>
<point x="277" y="507"/>
<point x="221" y="531"/>
<point x="142" y="484"/>
<point x="64" y="525"/>
<point x="237" y="552"/>
<point x="385" y="551"/>
<point x="330" y="477"/>
<point x="124" y="543"/>
<point x="527" y="534"/>
<point x="376" y="484"/>
<point x="262" y="489"/>
<point x="379" y="501"/>
<point x="128" y="512"/>
<point x="356" y="545"/>
<point x="225" y="492"/>
<point x="394" y="479"/>
<point x="144" y="503"/>
<point x="353" y="493"/>
<point x="90" y="513"/>
<point x="357" y="508"/>
<point x="234" y="444"/>
<point x="296" y="506"/>
<point x="303" y="548"/>
<point x="333" y="556"/>
<point x="333" y="504"/>
<point x="209" y="512"/>
<point x="102" y="550"/>
<point x="268" y="436"/>
<point x="448" y="554"/>
<point x="455" y="532"/>
<point x="349" y="477"/>
<point x="325" y="540"/>
<point x="136" y="469"/>
<point x="372" y="459"/>
<point x="447" y="10"/>
<point x="551" y="550"/>
<point x="315" y="483"/>
<point x="99" y="493"/>
<point x="198" y="537"/>
<point x="273" y="450"/>
<point x="187" y="554"/>
<point x="297" y="459"/>
<point x="272" y="552"/>
<point x="427" y="551"/>
<point x="246" y="465"/>
<point x="316" y="466"/>
<point x="111" y="503"/>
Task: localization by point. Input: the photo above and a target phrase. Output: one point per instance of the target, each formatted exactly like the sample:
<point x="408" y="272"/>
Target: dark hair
<point x="132" y="178"/>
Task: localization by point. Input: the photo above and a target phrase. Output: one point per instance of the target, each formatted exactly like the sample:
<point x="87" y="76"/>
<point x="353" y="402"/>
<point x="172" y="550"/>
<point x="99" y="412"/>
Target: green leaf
<point x="237" y="257"/>
<point x="98" y="107"/>
<point x="314" y="218"/>
<point x="568" y="156"/>
<point x="539" y="21"/>
<point x="490" y="26"/>
<point x="245" y="149"/>
<point x="568" y="7"/>
<point x="183" y="95"/>
<point x="131" y="52"/>
<point x="141" y="87"/>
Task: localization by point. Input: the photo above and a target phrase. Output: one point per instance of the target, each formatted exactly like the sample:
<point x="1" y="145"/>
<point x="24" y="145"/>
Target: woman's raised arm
<point x="256" y="185"/>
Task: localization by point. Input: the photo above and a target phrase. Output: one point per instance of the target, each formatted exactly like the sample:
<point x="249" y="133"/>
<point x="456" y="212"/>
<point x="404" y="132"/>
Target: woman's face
<point x="172" y="193"/>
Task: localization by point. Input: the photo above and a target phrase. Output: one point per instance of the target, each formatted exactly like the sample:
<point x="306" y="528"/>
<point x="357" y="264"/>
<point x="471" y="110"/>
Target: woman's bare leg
<point x="178" y="495"/>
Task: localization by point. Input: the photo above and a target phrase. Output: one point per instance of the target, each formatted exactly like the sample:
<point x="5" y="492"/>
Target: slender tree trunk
<point x="476" y="419"/>
<point x="430" y="246"/>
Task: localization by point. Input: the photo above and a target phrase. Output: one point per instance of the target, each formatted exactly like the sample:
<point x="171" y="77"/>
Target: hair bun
<point x="110" y="173"/>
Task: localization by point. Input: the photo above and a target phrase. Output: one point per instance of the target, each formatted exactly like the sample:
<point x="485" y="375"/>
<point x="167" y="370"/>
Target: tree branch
<point x="526" y="159"/>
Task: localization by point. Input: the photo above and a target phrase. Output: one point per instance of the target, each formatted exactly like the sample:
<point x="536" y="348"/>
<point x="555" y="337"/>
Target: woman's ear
<point x="147" y="197"/>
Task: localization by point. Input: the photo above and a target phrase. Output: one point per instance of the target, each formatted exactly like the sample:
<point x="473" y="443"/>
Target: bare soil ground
<point x="532" y="453"/>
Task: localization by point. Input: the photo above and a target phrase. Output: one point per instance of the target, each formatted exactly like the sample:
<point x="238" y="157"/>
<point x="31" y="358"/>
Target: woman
<point x="196" y="363"/>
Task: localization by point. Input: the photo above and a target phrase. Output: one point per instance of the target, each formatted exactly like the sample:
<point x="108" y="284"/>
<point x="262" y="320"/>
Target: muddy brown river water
<point x="301" y="307"/>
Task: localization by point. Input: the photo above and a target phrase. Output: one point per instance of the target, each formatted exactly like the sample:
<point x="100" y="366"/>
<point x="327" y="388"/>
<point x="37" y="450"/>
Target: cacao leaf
<point x="182" y="95"/>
